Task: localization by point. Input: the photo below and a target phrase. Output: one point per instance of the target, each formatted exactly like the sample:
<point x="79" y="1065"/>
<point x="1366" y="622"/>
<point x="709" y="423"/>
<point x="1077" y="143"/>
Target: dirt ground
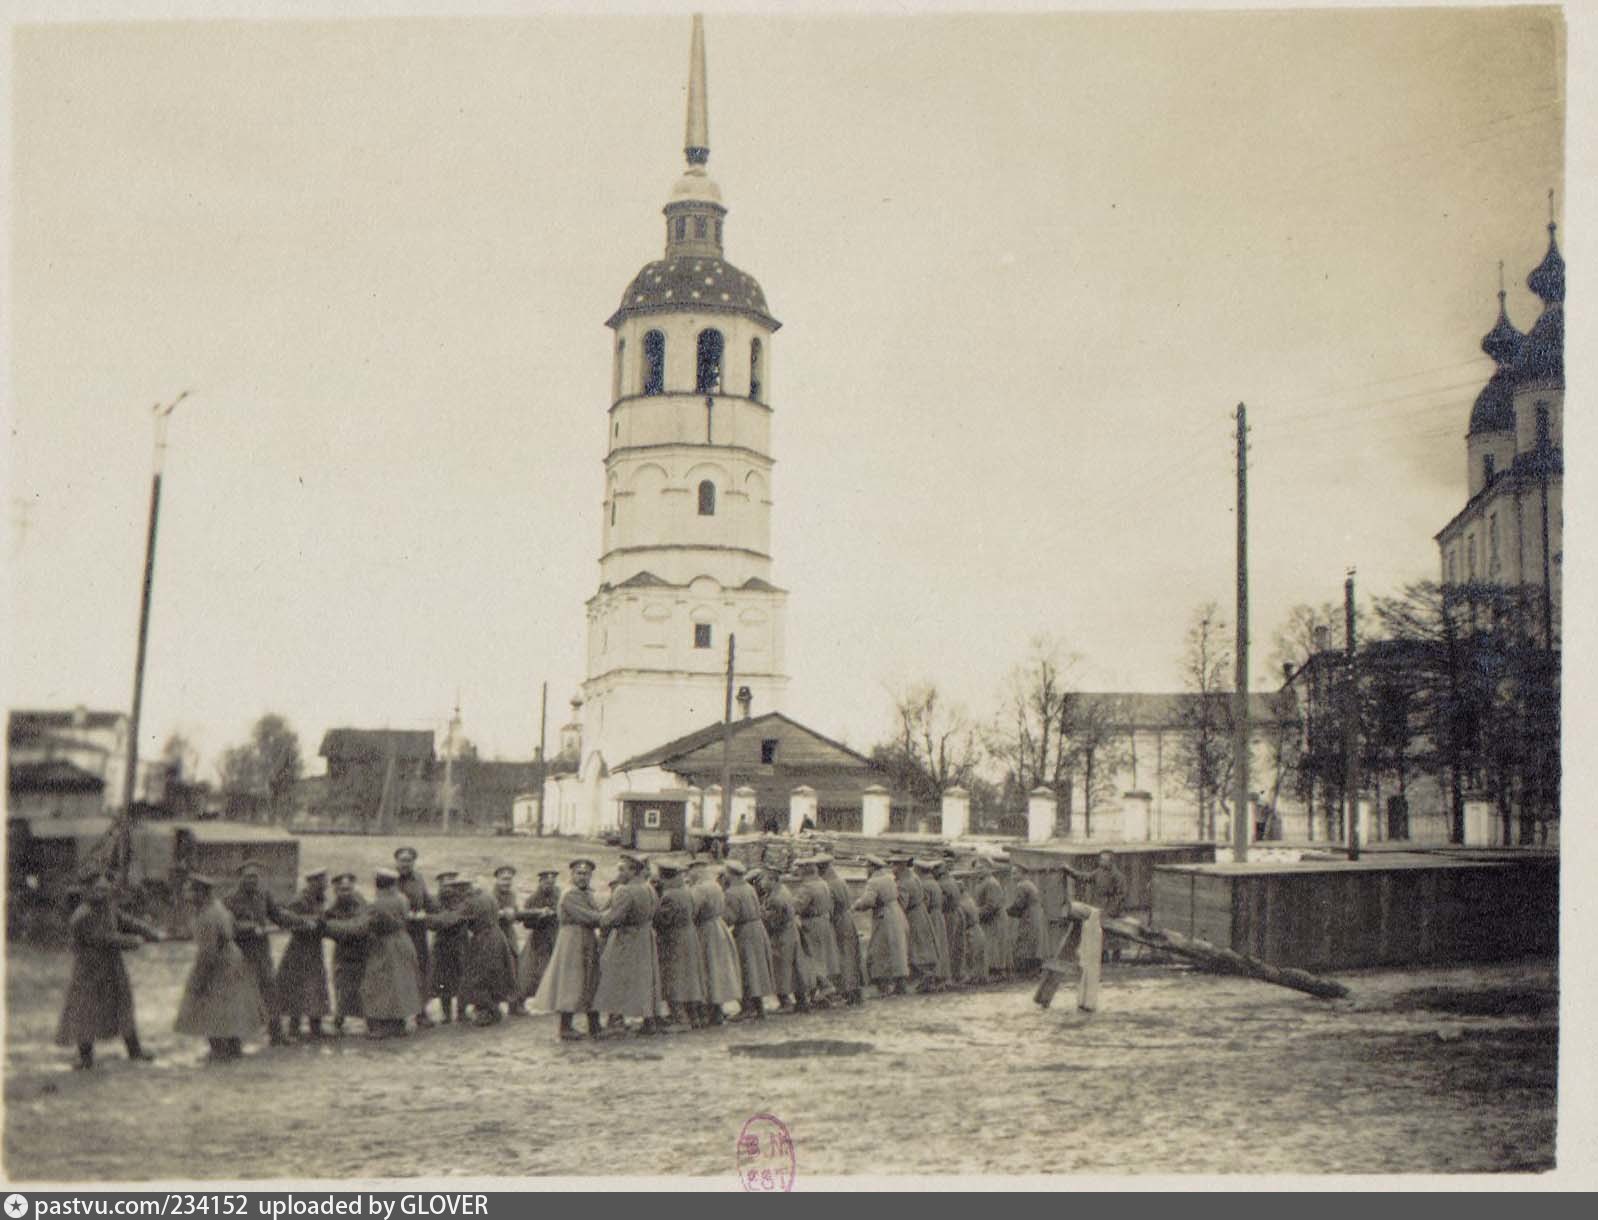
<point x="1443" y="1070"/>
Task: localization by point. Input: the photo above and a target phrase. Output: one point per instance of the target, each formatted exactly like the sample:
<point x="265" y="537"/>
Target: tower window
<point x="1470" y="558"/>
<point x="1488" y="463"/>
<point x="621" y="367"/>
<point x="681" y="228"/>
<point x="1545" y="436"/>
<point x="1492" y="543"/>
<point x="707" y="499"/>
<point x="718" y="232"/>
<point x="701" y="228"/>
<point x="654" y="363"/>
<point x="701" y="635"/>
<point x="756" y="373"/>
<point x="768" y="751"/>
<point x="710" y="349"/>
<point x="613" y="512"/>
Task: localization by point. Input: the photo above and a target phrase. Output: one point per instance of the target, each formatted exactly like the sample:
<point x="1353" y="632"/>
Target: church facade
<point x="685" y="560"/>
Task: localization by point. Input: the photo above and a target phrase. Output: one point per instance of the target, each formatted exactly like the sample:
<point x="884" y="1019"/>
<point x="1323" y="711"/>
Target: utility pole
<point x="1351" y="720"/>
<point x="1241" y="814"/>
<point x="543" y="719"/>
<point x="130" y="776"/>
<point x="449" y="764"/>
<point x="724" y="820"/>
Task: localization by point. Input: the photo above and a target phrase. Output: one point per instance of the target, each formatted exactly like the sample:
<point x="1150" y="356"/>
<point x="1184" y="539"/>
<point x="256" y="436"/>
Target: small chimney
<point x="745" y="698"/>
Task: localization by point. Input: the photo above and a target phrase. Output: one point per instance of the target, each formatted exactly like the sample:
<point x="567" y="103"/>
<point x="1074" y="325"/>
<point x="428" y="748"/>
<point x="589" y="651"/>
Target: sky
<point x="1027" y="266"/>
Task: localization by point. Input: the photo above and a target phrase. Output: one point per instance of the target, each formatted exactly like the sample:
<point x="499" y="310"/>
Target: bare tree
<point x="1028" y="737"/>
<point x="1097" y="744"/>
<point x="1204" y="751"/>
<point x="264" y="770"/>
<point x="934" y="746"/>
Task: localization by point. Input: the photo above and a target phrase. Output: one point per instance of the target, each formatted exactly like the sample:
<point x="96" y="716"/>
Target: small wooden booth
<point x="654" y="821"/>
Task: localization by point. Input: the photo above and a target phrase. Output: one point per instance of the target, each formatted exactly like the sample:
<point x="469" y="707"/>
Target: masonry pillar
<point x="710" y="807"/>
<point x="1136" y="823"/>
<point x="743" y="807"/>
<point x="875" y="804"/>
<point x="1040" y="809"/>
<point x="801" y="805"/>
<point x="1482" y="825"/>
<point x="696" y="809"/>
<point x="956" y="812"/>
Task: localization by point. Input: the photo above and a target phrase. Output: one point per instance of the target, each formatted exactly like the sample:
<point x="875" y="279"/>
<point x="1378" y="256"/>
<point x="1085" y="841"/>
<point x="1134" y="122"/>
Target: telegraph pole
<point x="449" y="763"/>
<point x="130" y="776"/>
<point x="725" y="818"/>
<point x="543" y="720"/>
<point x="1351" y="720"/>
<point x="1240" y="725"/>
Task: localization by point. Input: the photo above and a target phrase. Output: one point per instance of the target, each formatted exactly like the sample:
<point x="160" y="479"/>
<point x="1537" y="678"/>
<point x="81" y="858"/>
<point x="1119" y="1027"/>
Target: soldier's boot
<point x="219" y="1052"/>
<point x="85" y="1056"/>
<point x="136" y="1052"/>
<point x="338" y="1026"/>
<point x="857" y="997"/>
<point x="274" y="1033"/>
<point x="615" y="1021"/>
<point x="567" y="1033"/>
<point x="292" y="1028"/>
<point x="423" y="1021"/>
<point x="649" y="1028"/>
<point x="716" y="1016"/>
<point x="593" y="1026"/>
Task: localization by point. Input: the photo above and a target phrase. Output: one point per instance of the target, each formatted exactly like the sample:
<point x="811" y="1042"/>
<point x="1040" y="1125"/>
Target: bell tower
<point x="685" y="549"/>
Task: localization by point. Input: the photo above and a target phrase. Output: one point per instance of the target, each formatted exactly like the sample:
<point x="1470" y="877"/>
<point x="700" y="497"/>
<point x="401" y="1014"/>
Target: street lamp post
<point x="162" y="415"/>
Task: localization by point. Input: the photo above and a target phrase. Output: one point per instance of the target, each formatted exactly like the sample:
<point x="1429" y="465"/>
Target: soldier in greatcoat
<point x="345" y="924"/>
<point x="221" y="1000"/>
<point x="254" y="909"/>
<point x="1005" y="873"/>
<point x="851" y="977"/>
<point x="990" y="911"/>
<point x="717" y="954"/>
<point x="567" y="985"/>
<point x="419" y="905"/>
<point x="744" y="920"/>
<point x="888" y="951"/>
<point x="813" y="905"/>
<point x="1032" y="929"/>
<point x="508" y="905"/>
<point x="682" y="971"/>
<point x="448" y="926"/>
<point x="932" y="900"/>
<point x="629" y="972"/>
<point x="490" y="978"/>
<point x="1103" y="887"/>
<point x="792" y="974"/>
<point x="923" y="949"/>
<point x="539" y="916"/>
<point x="953" y="921"/>
<point x="389" y="992"/>
<point x="302" y="973"/>
<point x="974" y="948"/>
<point x="99" y="999"/>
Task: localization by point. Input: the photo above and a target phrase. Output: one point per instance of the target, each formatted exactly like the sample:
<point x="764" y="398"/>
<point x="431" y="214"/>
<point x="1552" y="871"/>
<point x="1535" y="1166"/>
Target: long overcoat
<point x="813" y="904"/>
<point x="990" y="909"/>
<point x="974" y="956"/>
<point x="1031" y="929"/>
<point x="570" y="980"/>
<point x="791" y="970"/>
<point x="302" y="971"/>
<point x="888" y="951"/>
<point x="539" y="913"/>
<point x="747" y="923"/>
<point x="347" y="924"/>
<point x="629" y="973"/>
<point x="682" y="967"/>
<point x="923" y="949"/>
<point x="954" y="925"/>
<point x="851" y="974"/>
<point x="932" y="899"/>
<point x="252" y="911"/>
<point x="419" y="900"/>
<point x="389" y="988"/>
<point x="220" y="997"/>
<point x="450" y="936"/>
<point x="717" y="954"/>
<point x="99" y="999"/>
<point x="490" y="964"/>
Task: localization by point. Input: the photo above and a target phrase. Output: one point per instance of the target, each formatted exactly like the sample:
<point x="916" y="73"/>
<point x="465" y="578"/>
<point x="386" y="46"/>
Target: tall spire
<point x="1547" y="280"/>
<point x="697" y="144"/>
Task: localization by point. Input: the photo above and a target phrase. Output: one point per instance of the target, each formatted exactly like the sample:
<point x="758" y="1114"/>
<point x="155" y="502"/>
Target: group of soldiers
<point x="674" y="945"/>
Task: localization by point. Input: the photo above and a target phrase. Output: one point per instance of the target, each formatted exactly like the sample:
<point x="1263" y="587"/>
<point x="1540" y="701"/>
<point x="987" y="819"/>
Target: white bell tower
<point x="686" y="545"/>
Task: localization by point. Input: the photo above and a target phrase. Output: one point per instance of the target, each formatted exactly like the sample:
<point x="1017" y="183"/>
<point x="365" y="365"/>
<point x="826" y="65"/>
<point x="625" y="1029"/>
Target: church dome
<point x="1495" y="408"/>
<point x="1503" y="341"/>
<point x="690" y="282"/>
<point x="1542" y="352"/>
<point x="1547" y="280"/>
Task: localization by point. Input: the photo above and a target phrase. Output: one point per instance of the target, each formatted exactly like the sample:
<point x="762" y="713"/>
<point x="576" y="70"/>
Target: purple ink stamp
<point x="765" y="1155"/>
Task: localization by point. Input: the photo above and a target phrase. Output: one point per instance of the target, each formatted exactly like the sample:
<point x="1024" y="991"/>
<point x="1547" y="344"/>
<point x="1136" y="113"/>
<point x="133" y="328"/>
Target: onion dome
<point x="1541" y="357"/>
<point x="1548" y="279"/>
<point x="1494" y="410"/>
<point x="686" y="282"/>
<point x="1503" y="341"/>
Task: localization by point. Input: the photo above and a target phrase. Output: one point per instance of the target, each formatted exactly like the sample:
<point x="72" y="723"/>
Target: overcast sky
<point x="1026" y="265"/>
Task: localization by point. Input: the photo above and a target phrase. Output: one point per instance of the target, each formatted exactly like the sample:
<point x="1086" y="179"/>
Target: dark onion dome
<point x="1548" y="280"/>
<point x="1503" y="341"/>
<point x="690" y="282"/>
<point x="1495" y="407"/>
<point x="1542" y="352"/>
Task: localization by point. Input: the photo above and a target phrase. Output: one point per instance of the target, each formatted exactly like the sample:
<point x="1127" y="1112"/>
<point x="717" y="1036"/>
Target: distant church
<point x="686" y="541"/>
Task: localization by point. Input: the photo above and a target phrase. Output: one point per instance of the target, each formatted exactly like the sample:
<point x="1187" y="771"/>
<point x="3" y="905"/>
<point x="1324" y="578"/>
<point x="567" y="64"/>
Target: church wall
<point x="633" y="711"/>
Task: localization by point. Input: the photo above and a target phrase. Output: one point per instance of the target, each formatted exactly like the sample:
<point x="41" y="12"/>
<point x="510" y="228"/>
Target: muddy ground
<point x="1444" y="1070"/>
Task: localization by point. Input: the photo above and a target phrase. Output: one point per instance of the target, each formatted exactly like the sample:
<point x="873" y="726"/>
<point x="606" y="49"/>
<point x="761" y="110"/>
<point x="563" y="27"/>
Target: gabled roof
<point x="671" y="751"/>
<point x="644" y="580"/>
<point x="377" y="744"/>
<point x="53" y="775"/>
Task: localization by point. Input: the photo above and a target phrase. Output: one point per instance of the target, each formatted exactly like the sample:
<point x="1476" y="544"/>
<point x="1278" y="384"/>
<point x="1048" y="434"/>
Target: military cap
<point x="458" y="883"/>
<point x="737" y="868"/>
<point x="345" y="875"/>
<point x="924" y="864"/>
<point x="874" y="861"/>
<point x="805" y="862"/>
<point x="822" y="859"/>
<point x="580" y="862"/>
<point x="669" y="868"/>
<point x="899" y="857"/>
<point x="636" y="859"/>
<point x="408" y="853"/>
<point x="385" y="875"/>
<point x="1001" y="857"/>
<point x="315" y="873"/>
<point x="445" y="877"/>
<point x="505" y="870"/>
<point x="248" y="867"/>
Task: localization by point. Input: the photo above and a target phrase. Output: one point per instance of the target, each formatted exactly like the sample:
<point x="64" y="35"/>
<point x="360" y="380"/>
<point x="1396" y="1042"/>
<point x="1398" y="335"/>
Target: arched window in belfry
<point x="757" y="374"/>
<point x="621" y="367"/>
<point x="654" y="363"/>
<point x="710" y="349"/>
<point x="707" y="499"/>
